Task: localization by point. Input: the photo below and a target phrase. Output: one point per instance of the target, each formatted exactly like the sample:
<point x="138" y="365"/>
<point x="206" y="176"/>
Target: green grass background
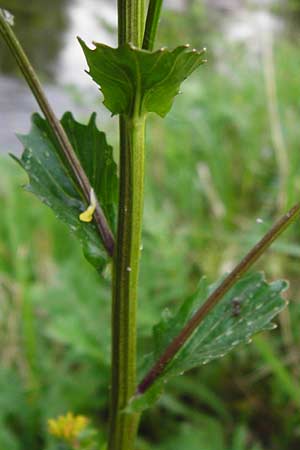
<point x="211" y="172"/>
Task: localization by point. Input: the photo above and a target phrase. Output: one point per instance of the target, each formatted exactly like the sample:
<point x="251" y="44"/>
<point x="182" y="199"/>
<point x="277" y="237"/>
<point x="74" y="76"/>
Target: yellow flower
<point x="67" y="427"/>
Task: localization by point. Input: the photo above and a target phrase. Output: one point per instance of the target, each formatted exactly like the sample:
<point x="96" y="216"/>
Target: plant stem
<point x="153" y="15"/>
<point x="131" y="22"/>
<point x="123" y="426"/>
<point x="241" y="268"/>
<point x="64" y="143"/>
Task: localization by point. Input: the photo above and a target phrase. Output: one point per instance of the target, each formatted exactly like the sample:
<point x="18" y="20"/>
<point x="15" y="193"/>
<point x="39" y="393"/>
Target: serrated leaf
<point x="134" y="79"/>
<point x="52" y="182"/>
<point x="225" y="327"/>
<point x="245" y="310"/>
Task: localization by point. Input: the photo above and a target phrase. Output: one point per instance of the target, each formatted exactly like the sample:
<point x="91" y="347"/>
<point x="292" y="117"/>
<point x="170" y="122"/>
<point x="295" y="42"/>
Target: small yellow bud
<point x="87" y="215"/>
<point x="67" y="427"/>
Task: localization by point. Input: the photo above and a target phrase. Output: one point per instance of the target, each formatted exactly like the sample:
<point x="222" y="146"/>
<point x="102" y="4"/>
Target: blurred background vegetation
<point x="220" y="168"/>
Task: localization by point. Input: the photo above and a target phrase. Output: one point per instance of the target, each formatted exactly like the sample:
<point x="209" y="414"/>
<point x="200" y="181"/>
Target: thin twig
<point x="65" y="145"/>
<point x="277" y="229"/>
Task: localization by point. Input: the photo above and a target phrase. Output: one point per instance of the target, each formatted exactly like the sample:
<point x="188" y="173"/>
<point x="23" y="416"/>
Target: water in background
<point x="48" y="31"/>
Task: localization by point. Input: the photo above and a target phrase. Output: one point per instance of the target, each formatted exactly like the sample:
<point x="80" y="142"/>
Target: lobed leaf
<point x="245" y="310"/>
<point x="137" y="80"/>
<point x="51" y="179"/>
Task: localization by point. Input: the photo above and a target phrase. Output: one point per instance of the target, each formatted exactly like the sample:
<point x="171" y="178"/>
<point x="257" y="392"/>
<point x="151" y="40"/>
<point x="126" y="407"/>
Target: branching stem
<point x="241" y="268"/>
<point x="65" y="145"/>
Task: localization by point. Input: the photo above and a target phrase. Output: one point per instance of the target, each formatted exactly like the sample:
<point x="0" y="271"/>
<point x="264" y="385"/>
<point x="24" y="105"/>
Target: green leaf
<point x="52" y="182"/>
<point x="139" y="403"/>
<point x="134" y="80"/>
<point x="245" y="310"/>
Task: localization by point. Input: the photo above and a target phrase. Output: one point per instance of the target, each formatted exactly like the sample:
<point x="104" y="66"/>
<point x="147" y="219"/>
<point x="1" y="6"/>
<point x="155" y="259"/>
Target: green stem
<point x="131" y="22"/>
<point x="241" y="268"/>
<point x="123" y="427"/>
<point x="65" y="145"/>
<point x="153" y="15"/>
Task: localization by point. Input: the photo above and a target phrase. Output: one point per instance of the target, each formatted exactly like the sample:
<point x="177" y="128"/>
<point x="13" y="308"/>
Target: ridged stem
<point x="123" y="426"/>
<point x="131" y="22"/>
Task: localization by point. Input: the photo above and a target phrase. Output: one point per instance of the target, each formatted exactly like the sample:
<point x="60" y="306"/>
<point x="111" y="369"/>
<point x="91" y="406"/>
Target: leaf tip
<point x="81" y="41"/>
<point x="83" y="45"/>
<point x="16" y="159"/>
<point x="92" y="120"/>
